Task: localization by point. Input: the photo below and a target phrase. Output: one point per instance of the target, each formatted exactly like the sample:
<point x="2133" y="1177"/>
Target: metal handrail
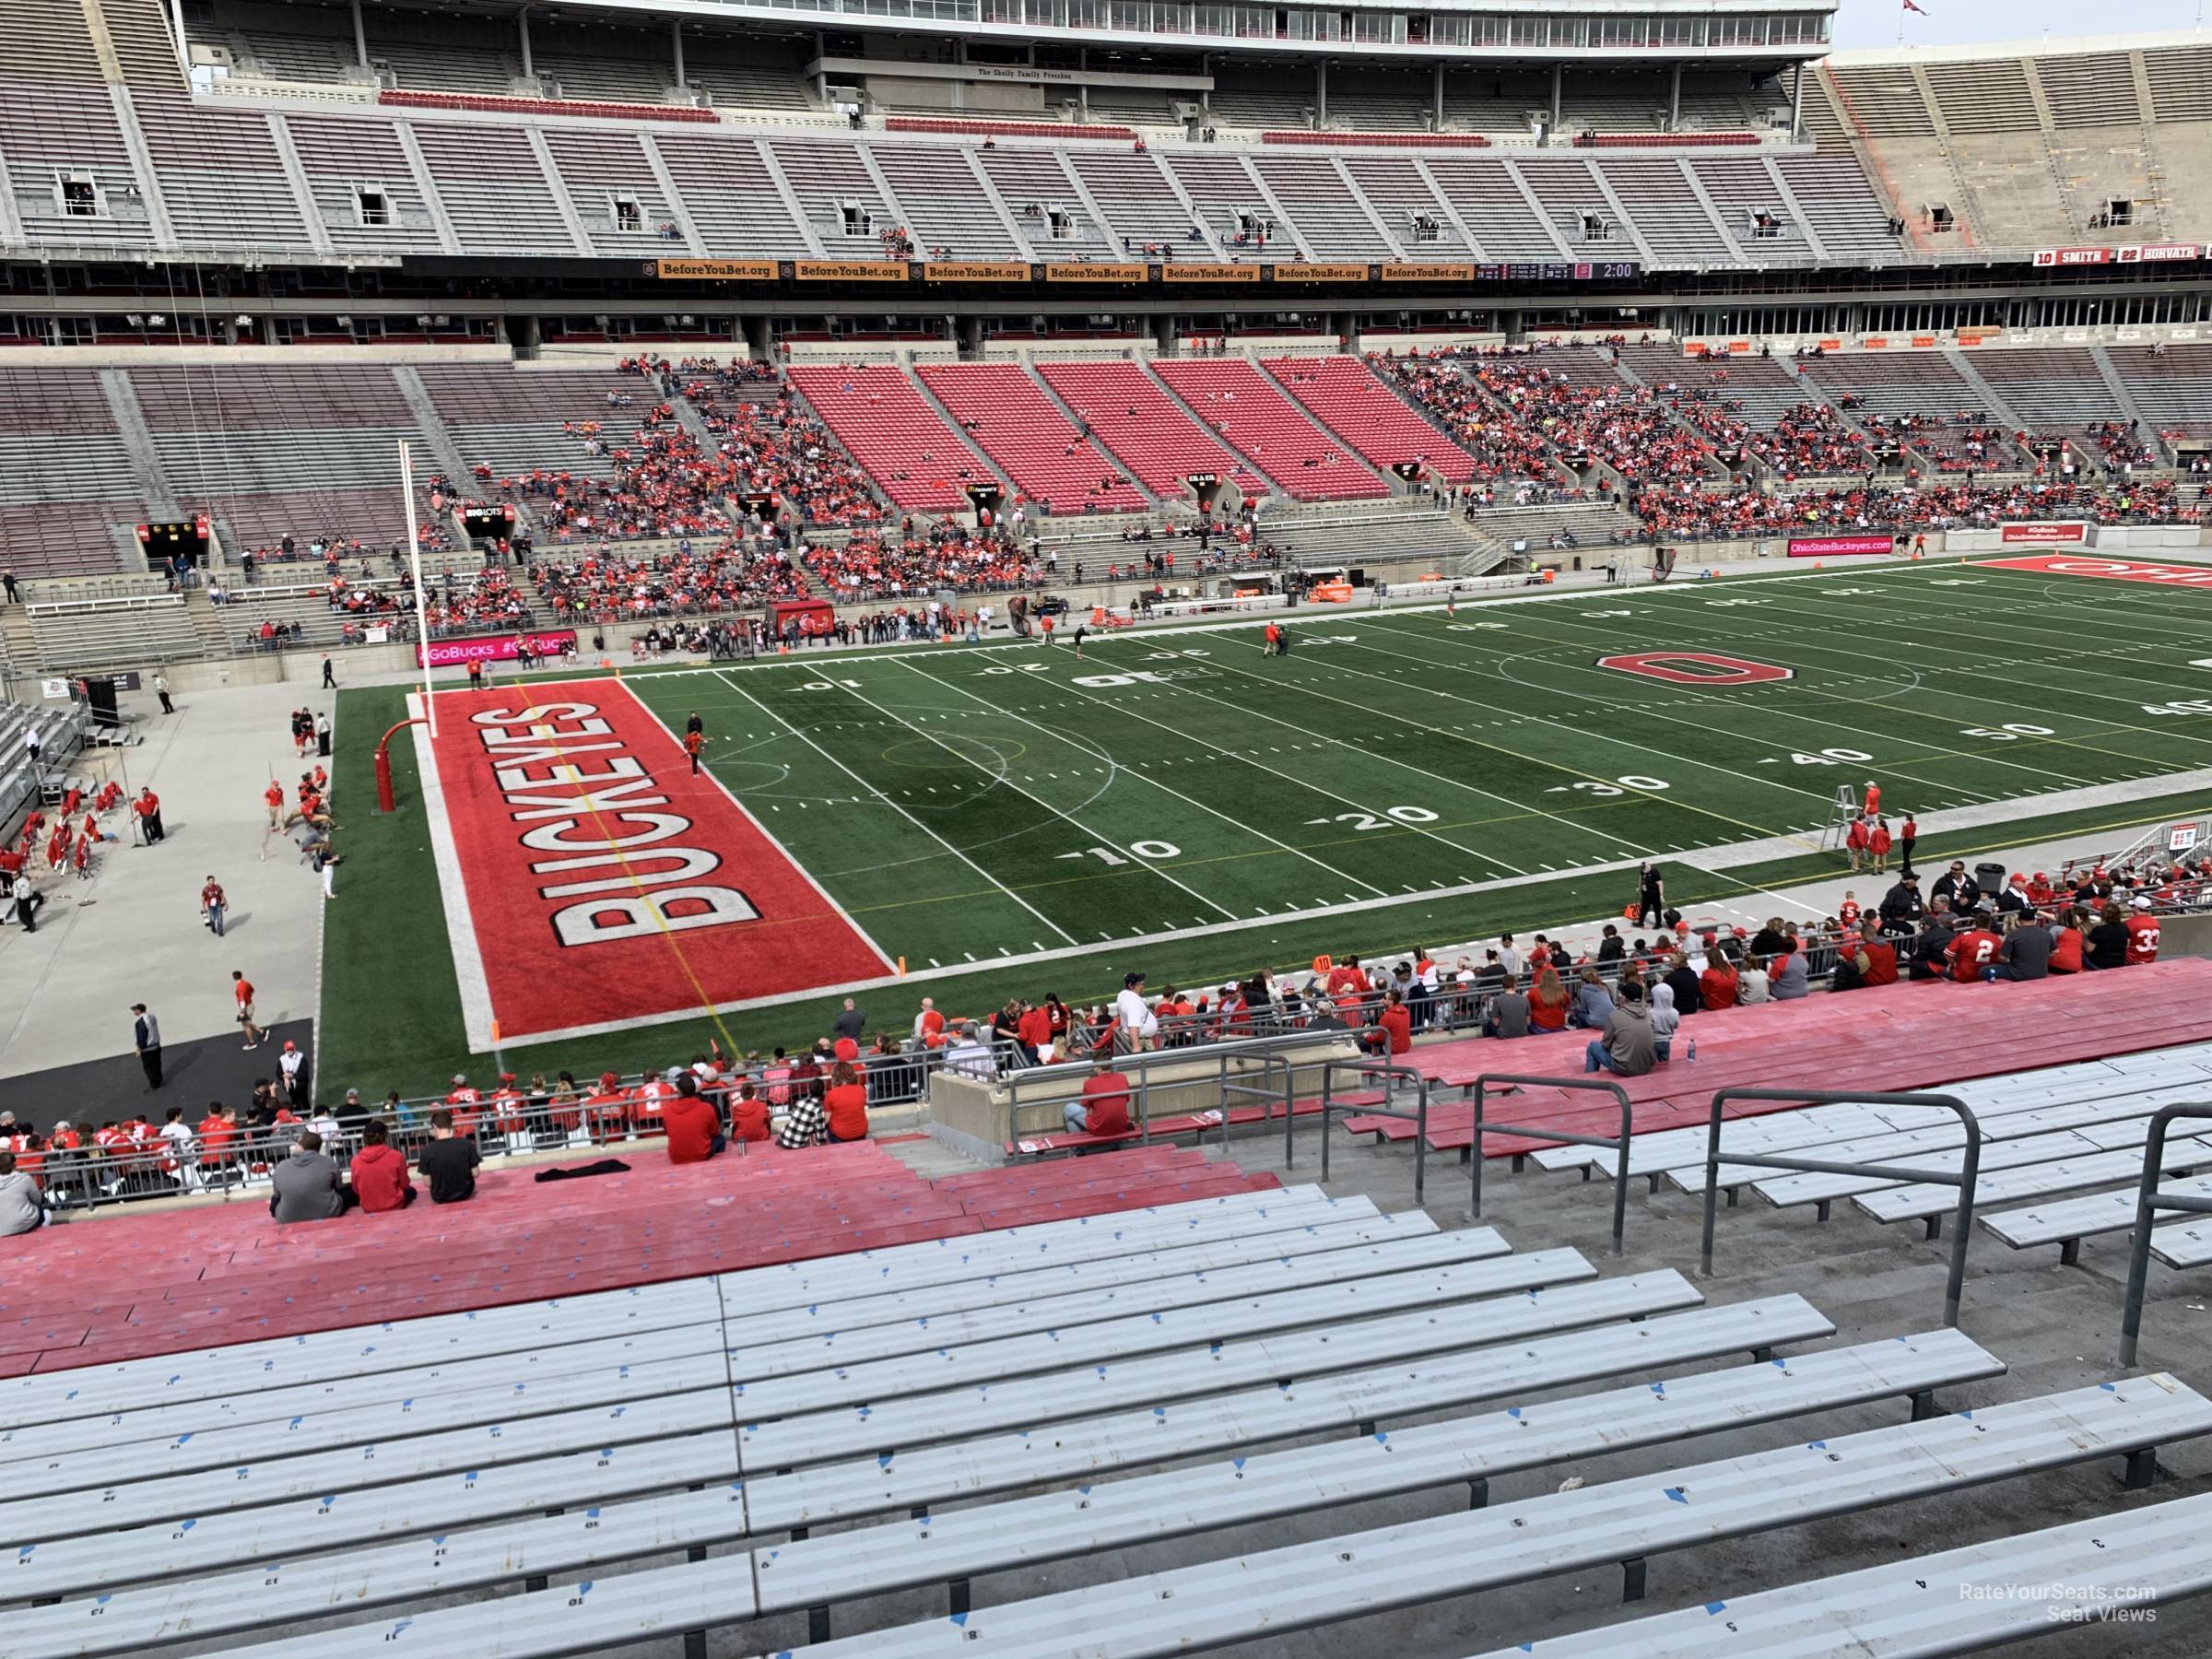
<point x="1418" y="1116"/>
<point x="1968" y="1170"/>
<point x="2148" y="1202"/>
<point x="1266" y="1050"/>
<point x="1618" y="1144"/>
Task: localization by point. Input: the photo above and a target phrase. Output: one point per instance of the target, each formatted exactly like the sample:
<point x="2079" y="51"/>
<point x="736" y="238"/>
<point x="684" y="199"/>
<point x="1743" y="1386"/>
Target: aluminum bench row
<point x="215" y="1535"/>
<point x="2092" y="1572"/>
<point x="2188" y="1067"/>
<point x="2125" y="1137"/>
<point x="668" y="1365"/>
<point x="223" y="1596"/>
<point x="59" y="1503"/>
<point x="230" y="1598"/>
<point x="950" y="1547"/>
<point x="222" y="1375"/>
<point x="1917" y="1201"/>
<point x="2068" y="1221"/>
<point x="2094" y="1121"/>
<point x="1211" y="1604"/>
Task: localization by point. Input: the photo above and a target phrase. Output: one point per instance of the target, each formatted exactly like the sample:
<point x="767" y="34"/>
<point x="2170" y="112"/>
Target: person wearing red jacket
<point x="379" y="1171"/>
<point x="1395" y="1022"/>
<point x="1877" y="843"/>
<point x="1855" y="842"/>
<point x="2066" y="945"/>
<point x="1033" y="1030"/>
<point x="693" y="1126"/>
<point x="846" y="1103"/>
<point x="749" y="1115"/>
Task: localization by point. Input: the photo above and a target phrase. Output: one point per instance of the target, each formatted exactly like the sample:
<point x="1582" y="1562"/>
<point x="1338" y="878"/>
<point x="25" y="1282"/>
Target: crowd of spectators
<point x="914" y="560"/>
<point x="1693" y="514"/>
<point x="1634" y="993"/>
<point x="604" y="586"/>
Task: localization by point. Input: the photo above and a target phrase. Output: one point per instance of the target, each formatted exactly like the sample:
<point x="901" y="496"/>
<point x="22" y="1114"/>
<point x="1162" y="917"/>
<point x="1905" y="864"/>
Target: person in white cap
<point x="292" y="1063"/>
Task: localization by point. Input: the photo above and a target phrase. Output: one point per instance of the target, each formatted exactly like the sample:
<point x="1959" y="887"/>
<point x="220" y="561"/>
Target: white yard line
<point x="902" y="811"/>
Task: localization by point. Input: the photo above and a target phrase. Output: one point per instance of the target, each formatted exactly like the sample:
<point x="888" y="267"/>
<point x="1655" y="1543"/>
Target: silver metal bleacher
<point x="621" y="1406"/>
<point x="1306" y="1585"/>
<point x="1307" y="1352"/>
<point x="2092" y="1573"/>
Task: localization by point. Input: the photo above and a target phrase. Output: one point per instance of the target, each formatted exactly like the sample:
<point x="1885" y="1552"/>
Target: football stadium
<point x="1077" y="795"/>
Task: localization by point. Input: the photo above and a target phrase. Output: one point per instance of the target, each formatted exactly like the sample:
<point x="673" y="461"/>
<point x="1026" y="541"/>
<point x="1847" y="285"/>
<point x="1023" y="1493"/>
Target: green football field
<point x="1008" y="819"/>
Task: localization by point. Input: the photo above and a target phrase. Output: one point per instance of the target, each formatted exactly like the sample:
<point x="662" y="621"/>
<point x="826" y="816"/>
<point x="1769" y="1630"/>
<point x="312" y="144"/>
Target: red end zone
<point x="591" y="882"/>
<point x="2110" y="569"/>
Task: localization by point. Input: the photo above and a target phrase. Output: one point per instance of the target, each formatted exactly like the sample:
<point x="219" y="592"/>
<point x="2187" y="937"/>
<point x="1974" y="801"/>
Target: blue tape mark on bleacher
<point x="1715" y="1607"/>
<point x="1675" y="1493"/>
<point x="1819" y="1445"/>
<point x="1381" y="1438"/>
<point x="2109" y="1388"/>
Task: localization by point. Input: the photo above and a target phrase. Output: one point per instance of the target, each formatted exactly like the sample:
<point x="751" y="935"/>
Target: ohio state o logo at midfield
<point x="1697" y="668"/>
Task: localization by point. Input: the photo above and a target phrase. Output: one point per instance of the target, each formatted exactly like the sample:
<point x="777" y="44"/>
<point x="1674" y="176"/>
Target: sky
<point x="1860" y="23"/>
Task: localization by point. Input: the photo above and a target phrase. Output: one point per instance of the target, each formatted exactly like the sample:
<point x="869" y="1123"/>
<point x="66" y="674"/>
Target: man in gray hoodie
<point x="1626" y="1048"/>
<point x="21" y="1208"/>
<point x="307" y="1185"/>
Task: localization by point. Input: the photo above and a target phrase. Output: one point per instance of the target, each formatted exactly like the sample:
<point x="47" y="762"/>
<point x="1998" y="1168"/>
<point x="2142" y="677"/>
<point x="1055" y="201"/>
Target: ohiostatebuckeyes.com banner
<point x="591" y="882"/>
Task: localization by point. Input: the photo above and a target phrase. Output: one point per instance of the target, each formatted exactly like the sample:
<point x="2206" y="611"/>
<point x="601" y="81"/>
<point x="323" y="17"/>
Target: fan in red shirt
<point x="462" y="1100"/>
<point x="749" y="1115"/>
<point x="379" y="1171"/>
<point x="1397" y="1021"/>
<point x="2142" y="937"/>
<point x="216" y="1131"/>
<point x="694" y="1127"/>
<point x="2066" y="950"/>
<point x="1847" y="913"/>
<point x="1103" y="1107"/>
<point x="1881" y="957"/>
<point x="845" y="1103"/>
<point x="1034" y="1032"/>
<point x="607" y="1109"/>
<point x="1854" y="840"/>
<point x="1970" y="952"/>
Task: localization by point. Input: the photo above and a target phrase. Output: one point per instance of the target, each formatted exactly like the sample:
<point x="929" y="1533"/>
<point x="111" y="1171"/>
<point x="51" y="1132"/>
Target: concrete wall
<point x="978" y="1118"/>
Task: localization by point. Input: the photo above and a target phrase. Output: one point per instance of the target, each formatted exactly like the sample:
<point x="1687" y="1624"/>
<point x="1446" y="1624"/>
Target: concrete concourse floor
<point x="134" y="933"/>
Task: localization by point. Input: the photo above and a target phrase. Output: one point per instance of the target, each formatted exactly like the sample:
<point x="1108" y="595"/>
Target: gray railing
<point x="1963" y="1179"/>
<point x="2149" y="1201"/>
<point x="1617" y="1145"/>
<point x="1391" y="1076"/>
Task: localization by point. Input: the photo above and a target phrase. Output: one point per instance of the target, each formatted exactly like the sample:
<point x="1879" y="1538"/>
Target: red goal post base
<point x="384" y="801"/>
